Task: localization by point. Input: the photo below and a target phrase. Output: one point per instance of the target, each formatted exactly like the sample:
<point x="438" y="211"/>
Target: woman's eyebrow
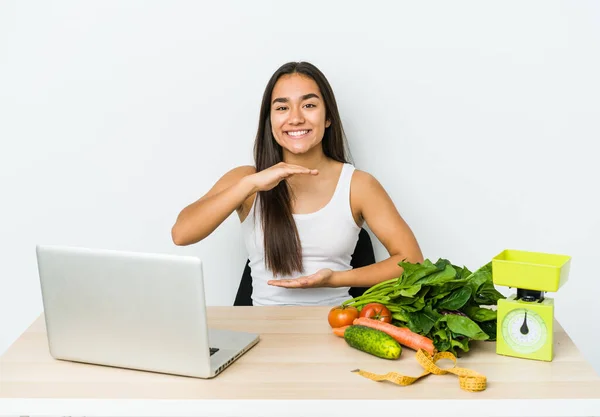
<point x="302" y="98"/>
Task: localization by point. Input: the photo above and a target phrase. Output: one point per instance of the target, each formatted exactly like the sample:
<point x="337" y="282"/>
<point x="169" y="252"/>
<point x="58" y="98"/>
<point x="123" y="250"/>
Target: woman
<point x="302" y="206"/>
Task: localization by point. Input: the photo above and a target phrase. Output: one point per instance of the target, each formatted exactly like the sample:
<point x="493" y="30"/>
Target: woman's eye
<point x="281" y="108"/>
<point x="310" y="105"/>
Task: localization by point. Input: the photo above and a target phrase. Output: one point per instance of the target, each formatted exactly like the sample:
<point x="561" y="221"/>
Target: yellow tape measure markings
<point x="468" y="380"/>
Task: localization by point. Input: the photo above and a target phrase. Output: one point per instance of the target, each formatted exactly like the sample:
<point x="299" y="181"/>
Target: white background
<point x="480" y="119"/>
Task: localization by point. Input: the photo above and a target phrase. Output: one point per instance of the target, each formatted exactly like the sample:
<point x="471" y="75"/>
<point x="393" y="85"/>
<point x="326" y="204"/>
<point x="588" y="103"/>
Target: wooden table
<point x="299" y="368"/>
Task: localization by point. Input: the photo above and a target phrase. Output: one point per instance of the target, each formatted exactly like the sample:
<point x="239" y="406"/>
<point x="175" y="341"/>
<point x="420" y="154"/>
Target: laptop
<point x="133" y="310"/>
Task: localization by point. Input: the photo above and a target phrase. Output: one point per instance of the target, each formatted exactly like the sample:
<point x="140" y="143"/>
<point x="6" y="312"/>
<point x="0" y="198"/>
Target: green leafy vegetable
<point x="480" y="314"/>
<point x="442" y="301"/>
<point x="456" y="299"/>
<point x="422" y="321"/>
<point x="464" y="326"/>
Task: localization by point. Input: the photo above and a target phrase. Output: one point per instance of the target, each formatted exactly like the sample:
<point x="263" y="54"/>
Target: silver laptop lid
<point x="125" y="309"/>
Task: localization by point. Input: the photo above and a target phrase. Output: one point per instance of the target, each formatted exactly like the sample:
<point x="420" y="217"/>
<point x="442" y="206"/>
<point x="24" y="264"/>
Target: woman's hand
<point x="321" y="278"/>
<point x="269" y="178"/>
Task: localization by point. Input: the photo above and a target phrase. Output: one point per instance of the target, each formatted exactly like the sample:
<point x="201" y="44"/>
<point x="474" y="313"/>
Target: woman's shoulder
<point x="363" y="180"/>
<point x="234" y="175"/>
<point x="242" y="171"/>
<point x="231" y="177"/>
<point x="365" y="188"/>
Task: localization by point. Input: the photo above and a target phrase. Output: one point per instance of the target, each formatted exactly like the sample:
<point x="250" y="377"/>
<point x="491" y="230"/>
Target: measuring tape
<point x="469" y="380"/>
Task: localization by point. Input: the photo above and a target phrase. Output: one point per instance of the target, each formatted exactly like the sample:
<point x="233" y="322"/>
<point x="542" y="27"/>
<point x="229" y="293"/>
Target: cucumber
<point x="372" y="341"/>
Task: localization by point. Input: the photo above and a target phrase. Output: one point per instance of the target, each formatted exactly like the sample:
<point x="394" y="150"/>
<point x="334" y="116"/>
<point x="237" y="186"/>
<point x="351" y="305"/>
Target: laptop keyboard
<point x="213" y="351"/>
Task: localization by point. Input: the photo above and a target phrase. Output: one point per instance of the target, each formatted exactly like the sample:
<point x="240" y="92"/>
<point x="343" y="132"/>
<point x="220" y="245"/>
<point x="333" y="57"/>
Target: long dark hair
<point x="283" y="251"/>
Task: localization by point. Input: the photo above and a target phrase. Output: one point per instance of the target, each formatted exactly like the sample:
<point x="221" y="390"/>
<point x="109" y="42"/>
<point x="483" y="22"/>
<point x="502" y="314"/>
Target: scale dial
<point x="524" y="330"/>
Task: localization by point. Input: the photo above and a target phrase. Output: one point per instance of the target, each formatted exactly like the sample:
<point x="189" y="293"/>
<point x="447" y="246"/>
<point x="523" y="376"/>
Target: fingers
<point x="308" y="281"/>
<point x="297" y="169"/>
<point x="302" y="171"/>
<point x="302" y="282"/>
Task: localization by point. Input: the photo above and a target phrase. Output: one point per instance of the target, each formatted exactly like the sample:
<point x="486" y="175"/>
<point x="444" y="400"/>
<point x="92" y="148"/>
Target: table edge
<point x="292" y="408"/>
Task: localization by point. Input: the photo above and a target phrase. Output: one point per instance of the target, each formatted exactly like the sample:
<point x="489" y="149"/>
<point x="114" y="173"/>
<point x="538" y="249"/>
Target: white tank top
<point x="328" y="238"/>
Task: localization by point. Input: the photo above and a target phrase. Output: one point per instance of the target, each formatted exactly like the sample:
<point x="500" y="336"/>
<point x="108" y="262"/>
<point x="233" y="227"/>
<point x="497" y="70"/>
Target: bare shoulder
<point x="230" y="178"/>
<point x="364" y="188"/>
<point x="234" y="176"/>
<point x="364" y="183"/>
<point x="240" y="172"/>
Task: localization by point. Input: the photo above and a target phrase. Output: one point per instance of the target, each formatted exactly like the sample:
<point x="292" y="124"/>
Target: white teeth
<point x="298" y="133"/>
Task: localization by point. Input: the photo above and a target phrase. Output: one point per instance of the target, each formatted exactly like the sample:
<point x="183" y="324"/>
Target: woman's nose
<point x="296" y="116"/>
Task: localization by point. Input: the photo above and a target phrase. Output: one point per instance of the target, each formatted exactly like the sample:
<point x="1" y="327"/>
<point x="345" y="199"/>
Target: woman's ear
<point x="327" y="123"/>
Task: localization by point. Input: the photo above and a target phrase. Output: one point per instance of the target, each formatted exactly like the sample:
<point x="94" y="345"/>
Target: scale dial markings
<point x="524" y="330"/>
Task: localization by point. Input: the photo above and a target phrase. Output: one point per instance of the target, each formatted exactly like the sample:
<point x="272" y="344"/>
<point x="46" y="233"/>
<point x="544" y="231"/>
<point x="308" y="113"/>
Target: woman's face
<point x="298" y="113"/>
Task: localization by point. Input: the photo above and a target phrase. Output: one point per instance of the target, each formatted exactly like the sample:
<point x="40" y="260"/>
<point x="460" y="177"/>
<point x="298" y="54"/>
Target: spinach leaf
<point x="441" y="291"/>
<point x="462" y="273"/>
<point x="402" y="301"/>
<point x="460" y="342"/>
<point x="442" y="345"/>
<point x="441" y="339"/>
<point x="423" y="321"/>
<point x="456" y="299"/>
<point x="415" y="306"/>
<point x="410" y="291"/>
<point x="480" y="277"/>
<point x="480" y="314"/>
<point x="439" y="277"/>
<point x="413" y="272"/>
<point x="410" y="268"/>
<point x="465" y="326"/>
<point x="487" y="294"/>
<point x="489" y="327"/>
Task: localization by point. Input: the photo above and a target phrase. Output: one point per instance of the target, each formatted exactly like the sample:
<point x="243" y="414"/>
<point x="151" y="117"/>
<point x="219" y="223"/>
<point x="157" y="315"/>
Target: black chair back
<point x="363" y="255"/>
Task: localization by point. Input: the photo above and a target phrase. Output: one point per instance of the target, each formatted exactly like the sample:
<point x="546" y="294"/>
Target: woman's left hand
<point x="320" y="278"/>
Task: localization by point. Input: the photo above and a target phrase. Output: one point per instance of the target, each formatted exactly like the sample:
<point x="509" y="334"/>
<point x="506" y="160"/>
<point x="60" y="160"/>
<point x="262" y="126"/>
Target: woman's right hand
<point x="269" y="178"/>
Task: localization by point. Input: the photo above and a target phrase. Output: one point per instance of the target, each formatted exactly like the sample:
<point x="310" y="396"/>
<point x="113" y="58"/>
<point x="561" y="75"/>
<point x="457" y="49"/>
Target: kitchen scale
<point x="526" y="319"/>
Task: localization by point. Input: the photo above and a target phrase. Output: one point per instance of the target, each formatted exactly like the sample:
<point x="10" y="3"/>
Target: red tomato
<point x="376" y="311"/>
<point x="342" y="316"/>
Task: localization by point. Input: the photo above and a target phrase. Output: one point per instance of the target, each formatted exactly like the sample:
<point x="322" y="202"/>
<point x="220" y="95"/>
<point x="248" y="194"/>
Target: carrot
<point x="402" y="335"/>
<point x="339" y="331"/>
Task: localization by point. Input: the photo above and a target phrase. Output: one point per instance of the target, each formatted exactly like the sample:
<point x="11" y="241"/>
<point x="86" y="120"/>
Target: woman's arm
<point x="379" y="212"/>
<point x="231" y="192"/>
<point x="201" y="218"/>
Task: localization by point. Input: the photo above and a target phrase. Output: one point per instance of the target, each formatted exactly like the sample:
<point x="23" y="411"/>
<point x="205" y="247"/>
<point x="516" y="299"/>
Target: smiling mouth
<point x="298" y="133"/>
